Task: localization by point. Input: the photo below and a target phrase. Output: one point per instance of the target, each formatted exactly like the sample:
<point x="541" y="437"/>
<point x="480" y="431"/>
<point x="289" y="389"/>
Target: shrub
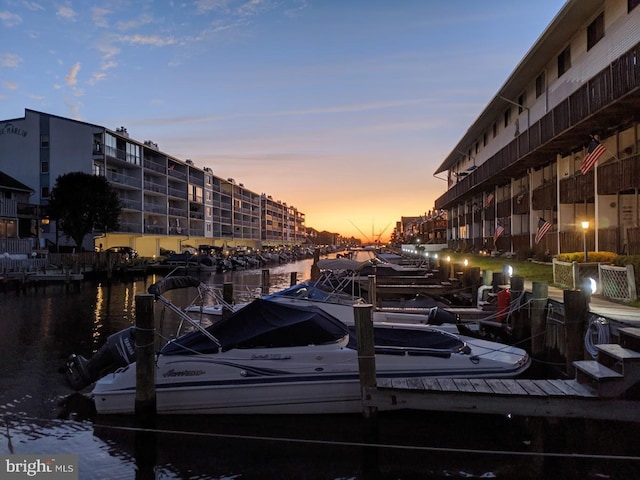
<point x="594" y="257"/>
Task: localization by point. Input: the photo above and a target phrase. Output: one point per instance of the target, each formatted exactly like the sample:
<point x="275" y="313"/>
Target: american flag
<point x="499" y="231"/>
<point x="489" y="200"/>
<point x="543" y="228"/>
<point x="594" y="152"/>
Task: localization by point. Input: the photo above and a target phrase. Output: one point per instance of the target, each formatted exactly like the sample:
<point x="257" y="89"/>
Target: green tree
<point x="81" y="203"/>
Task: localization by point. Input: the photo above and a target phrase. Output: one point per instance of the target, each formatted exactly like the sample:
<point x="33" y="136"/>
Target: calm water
<point x="42" y="415"/>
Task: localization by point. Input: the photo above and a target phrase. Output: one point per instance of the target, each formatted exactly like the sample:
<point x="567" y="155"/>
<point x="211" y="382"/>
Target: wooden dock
<point x="531" y="398"/>
<point x="599" y="390"/>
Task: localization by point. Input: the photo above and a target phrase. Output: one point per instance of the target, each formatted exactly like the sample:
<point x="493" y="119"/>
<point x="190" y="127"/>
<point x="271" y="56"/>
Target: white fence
<point x="617" y="283"/>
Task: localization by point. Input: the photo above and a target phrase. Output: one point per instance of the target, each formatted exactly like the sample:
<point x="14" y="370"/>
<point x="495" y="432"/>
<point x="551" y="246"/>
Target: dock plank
<point x="513" y="387"/>
<point x="562" y="386"/>
<point x="447" y="385"/>
<point x="497" y="387"/>
<point x="480" y="385"/>
<point x="431" y="383"/>
<point x="548" y="388"/>
<point x="532" y="389"/>
<point x="580" y="389"/>
<point x="464" y="385"/>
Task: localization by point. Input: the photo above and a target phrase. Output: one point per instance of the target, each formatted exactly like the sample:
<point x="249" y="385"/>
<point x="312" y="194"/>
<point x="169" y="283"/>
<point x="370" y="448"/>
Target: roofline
<point x="575" y="12"/>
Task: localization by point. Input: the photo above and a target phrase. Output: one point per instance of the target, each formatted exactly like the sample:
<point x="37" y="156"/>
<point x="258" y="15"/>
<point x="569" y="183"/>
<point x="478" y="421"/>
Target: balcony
<point x="118" y="178"/>
<point x="604" y="100"/>
<point x="8" y="208"/>
<point x="155" y="187"/>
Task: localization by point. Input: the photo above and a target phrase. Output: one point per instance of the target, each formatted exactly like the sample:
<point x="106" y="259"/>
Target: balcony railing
<point x="8" y="208"/>
<point x="122" y="179"/>
<point x="553" y="133"/>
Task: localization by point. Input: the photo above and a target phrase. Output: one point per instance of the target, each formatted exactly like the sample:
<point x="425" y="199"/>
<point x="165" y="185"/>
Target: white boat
<point x="273" y="358"/>
<point x="329" y="294"/>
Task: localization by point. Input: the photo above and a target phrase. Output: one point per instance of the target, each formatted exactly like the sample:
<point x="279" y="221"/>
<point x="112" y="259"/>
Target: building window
<point x="540" y="84"/>
<point x="44" y="141"/>
<point x="485" y="139"/>
<point x="595" y="31"/>
<point x="494" y="128"/>
<point x="507" y="117"/>
<point x="134" y="153"/>
<point x="44" y="167"/>
<point x="44" y="192"/>
<point x="631" y="4"/>
<point x="521" y="101"/>
<point x="564" y="61"/>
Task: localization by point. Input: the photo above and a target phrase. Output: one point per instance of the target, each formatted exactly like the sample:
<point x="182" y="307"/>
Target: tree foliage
<point x="81" y="203"/>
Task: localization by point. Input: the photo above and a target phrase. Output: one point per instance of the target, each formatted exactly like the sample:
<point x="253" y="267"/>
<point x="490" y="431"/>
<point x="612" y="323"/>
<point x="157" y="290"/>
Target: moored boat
<point x="275" y="358"/>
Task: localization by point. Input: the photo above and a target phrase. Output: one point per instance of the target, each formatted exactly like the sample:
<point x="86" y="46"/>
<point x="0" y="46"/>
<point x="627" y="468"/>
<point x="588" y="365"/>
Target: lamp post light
<point x="585" y="227"/>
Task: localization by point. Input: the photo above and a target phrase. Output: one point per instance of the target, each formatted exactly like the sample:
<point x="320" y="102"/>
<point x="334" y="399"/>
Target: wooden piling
<point x="293" y="278"/>
<point x="496" y="280"/>
<point x="576" y="309"/>
<point x="227" y="296"/>
<point x="372" y="286"/>
<point x="315" y="270"/>
<point x="265" y="282"/>
<point x="519" y="321"/>
<point x="366" y="353"/>
<point x="539" y="300"/>
<point x="473" y="280"/>
<point x="145" y="404"/>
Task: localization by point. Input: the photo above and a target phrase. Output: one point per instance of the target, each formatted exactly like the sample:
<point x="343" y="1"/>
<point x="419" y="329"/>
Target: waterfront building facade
<point x="553" y="161"/>
<point x="167" y="202"/>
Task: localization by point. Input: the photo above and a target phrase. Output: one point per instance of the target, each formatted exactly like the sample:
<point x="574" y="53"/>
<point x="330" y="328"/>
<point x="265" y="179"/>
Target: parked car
<point x="127" y="253"/>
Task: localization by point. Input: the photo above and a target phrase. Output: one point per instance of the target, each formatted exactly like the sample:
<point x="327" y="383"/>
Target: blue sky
<point x="343" y="109"/>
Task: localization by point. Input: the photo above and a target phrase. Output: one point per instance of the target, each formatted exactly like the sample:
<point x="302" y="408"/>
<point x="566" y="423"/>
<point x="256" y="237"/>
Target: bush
<point x="594" y="257"/>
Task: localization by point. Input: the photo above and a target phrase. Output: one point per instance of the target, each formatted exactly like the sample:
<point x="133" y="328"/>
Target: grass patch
<point x="538" y="272"/>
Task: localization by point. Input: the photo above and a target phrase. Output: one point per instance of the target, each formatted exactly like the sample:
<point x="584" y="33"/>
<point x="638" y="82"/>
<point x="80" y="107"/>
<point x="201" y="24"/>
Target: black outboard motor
<point x="119" y="351"/>
<point x="438" y="316"/>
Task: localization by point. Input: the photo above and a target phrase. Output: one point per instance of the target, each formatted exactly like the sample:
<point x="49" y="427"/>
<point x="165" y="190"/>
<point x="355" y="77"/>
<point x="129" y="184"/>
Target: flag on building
<point x="499" y="231"/>
<point x="543" y="228"/>
<point x="489" y="200"/>
<point x="594" y="152"/>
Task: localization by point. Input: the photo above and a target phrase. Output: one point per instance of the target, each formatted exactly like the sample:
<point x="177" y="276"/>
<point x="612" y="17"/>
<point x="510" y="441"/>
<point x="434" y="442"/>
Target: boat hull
<point x="320" y="382"/>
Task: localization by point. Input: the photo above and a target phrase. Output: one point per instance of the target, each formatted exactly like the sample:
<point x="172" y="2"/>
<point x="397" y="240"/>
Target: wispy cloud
<point x="99" y="16"/>
<point x="10" y="19"/>
<point x="66" y="12"/>
<point x="144" y="19"/>
<point x="154" y="40"/>
<point x="72" y="76"/>
<point x="9" y="60"/>
<point x="10" y="85"/>
<point x="33" y="6"/>
<point x="253" y="7"/>
<point x="204" y="6"/>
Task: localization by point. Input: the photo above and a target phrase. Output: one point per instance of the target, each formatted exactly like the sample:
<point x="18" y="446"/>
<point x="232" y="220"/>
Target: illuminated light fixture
<point x="466" y="262"/>
<point x="448" y="259"/>
<point x="508" y="271"/>
<point x="585" y="227"/>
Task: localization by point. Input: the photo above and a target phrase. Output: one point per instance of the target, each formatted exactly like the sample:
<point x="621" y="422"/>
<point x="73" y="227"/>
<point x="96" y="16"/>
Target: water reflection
<point x="41" y="414"/>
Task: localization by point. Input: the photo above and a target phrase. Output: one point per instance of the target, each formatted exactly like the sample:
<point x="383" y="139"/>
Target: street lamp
<point x="585" y="227"/>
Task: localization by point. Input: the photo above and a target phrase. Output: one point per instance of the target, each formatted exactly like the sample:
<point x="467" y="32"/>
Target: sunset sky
<point x="342" y="108"/>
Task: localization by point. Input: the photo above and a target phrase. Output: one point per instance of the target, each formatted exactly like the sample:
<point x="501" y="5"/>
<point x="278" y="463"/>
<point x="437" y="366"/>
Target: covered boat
<point x="276" y="358"/>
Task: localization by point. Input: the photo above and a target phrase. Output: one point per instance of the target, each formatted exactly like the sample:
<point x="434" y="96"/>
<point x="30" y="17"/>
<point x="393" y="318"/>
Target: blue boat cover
<point x="263" y="324"/>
